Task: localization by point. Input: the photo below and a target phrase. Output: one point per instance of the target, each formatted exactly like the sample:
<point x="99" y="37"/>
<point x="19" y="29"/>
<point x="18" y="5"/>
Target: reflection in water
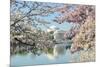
<point x="58" y="50"/>
<point x="57" y="54"/>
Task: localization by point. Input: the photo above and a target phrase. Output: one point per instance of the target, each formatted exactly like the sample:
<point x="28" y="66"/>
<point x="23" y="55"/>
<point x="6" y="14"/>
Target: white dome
<point x="54" y="27"/>
<point x="49" y="30"/>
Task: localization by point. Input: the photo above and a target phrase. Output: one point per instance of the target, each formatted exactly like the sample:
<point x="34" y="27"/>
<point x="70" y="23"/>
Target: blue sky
<point x="63" y="26"/>
<point x="50" y="17"/>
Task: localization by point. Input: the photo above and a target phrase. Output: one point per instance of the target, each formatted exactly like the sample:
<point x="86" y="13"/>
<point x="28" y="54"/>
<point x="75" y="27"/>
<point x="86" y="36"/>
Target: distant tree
<point x="24" y="24"/>
<point x="75" y="13"/>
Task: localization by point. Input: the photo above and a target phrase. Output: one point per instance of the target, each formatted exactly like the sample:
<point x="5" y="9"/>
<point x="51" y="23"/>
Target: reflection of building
<point x="50" y="56"/>
<point x="58" y="50"/>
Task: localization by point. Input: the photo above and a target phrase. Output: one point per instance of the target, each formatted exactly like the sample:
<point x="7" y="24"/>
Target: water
<point x="31" y="59"/>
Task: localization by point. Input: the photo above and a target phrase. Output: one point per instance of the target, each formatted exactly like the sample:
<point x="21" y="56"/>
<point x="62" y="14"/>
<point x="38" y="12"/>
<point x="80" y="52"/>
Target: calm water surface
<point x="31" y="59"/>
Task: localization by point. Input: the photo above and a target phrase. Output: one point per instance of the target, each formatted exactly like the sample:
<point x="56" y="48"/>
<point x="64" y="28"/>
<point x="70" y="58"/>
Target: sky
<point x="64" y="26"/>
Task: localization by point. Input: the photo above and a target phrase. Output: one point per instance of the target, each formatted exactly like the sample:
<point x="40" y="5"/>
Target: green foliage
<point x="50" y="50"/>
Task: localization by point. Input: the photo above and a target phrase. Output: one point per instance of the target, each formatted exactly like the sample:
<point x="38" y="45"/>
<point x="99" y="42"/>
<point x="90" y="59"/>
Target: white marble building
<point x="59" y="35"/>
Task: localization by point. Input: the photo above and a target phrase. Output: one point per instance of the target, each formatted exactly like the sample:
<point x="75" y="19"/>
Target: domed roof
<point x="54" y="27"/>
